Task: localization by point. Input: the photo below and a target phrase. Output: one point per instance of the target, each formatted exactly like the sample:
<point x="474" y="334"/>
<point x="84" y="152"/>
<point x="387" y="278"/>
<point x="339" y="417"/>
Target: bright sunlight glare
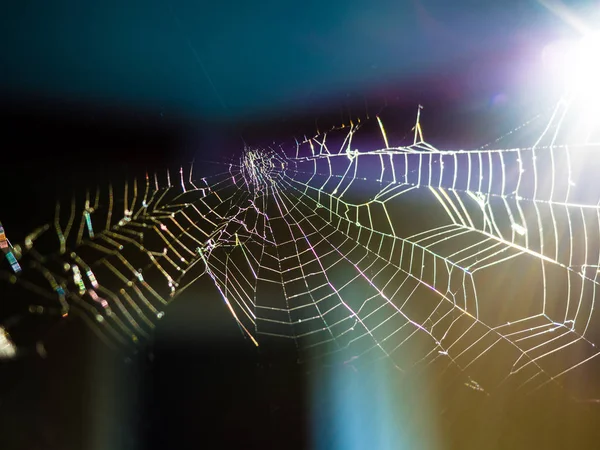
<point x="576" y="66"/>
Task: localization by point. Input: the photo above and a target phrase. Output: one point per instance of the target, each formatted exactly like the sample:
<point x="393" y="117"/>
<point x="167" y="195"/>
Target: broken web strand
<point x="8" y="251"/>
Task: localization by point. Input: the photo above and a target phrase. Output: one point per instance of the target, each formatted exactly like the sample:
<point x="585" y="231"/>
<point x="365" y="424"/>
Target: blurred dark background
<point x="97" y="91"/>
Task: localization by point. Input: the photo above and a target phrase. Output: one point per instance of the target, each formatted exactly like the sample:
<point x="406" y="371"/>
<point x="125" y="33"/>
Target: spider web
<point x="353" y="249"/>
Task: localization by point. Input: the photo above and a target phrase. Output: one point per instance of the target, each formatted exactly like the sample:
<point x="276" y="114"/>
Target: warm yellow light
<point x="7" y="347"/>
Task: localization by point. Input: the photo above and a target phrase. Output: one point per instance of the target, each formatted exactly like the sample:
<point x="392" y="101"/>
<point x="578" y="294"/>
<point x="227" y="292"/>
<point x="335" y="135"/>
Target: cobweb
<point x="353" y="249"/>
